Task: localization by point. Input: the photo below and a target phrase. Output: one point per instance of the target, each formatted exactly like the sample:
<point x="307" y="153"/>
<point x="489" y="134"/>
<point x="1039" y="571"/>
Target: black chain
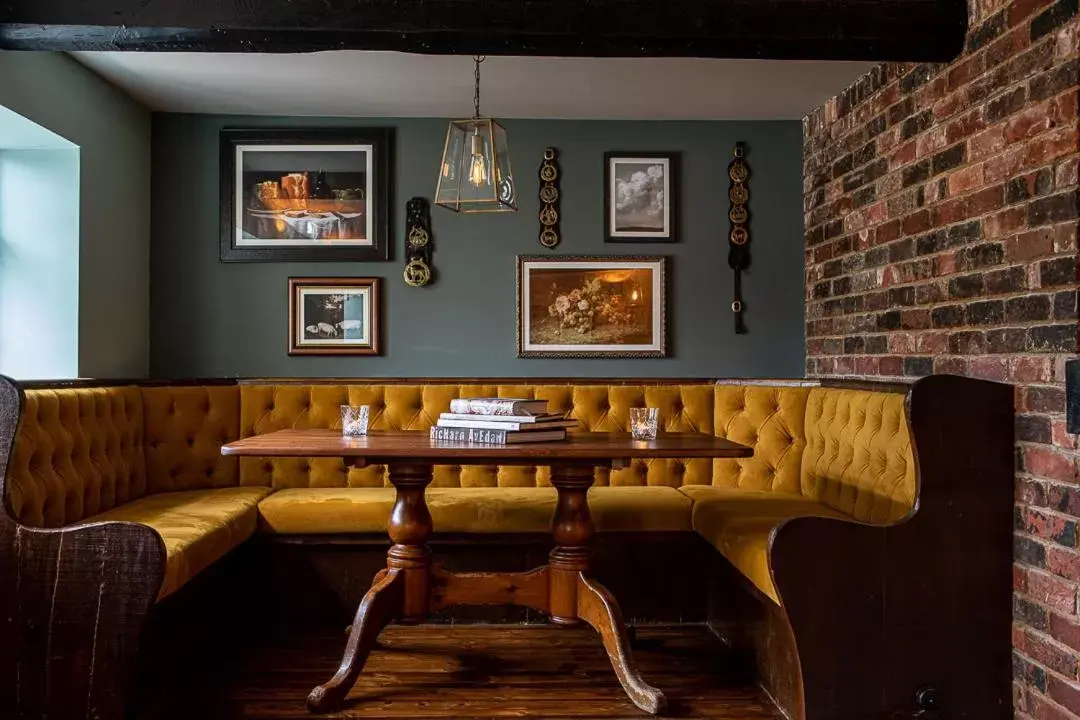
<point x="477" y="59"/>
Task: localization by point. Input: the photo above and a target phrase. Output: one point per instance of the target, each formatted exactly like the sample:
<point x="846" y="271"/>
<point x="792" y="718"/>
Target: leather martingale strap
<point x="549" y="198"/>
<point x="418" y="245"/>
<point x="739" y="234"/>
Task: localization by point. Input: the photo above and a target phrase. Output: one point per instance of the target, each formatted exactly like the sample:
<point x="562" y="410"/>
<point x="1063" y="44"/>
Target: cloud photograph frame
<point x="641" y="197"/>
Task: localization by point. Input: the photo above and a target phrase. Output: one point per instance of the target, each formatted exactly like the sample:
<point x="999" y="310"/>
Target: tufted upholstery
<point x="198" y="526"/>
<point x="599" y="408"/>
<point x="185" y="429"/>
<point x="152" y="455"/>
<point x="771" y="420"/>
<point x="858" y="457"/>
<point x="470" y="510"/>
<point x="78" y="452"/>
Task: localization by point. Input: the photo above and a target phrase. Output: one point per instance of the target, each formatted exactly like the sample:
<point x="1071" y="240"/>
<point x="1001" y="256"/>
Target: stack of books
<point x="500" y="421"/>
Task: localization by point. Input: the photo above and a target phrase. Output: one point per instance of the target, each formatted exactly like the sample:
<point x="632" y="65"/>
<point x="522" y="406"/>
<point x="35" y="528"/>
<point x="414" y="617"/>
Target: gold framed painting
<point x="591" y="306"/>
<point x="334" y="316"/>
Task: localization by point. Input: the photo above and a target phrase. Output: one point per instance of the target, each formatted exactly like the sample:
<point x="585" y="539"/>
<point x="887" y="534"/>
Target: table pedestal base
<point x="411" y="586"/>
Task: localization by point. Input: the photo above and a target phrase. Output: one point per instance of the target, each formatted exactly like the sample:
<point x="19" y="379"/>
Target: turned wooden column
<point x="572" y="529"/>
<point x="409" y="528"/>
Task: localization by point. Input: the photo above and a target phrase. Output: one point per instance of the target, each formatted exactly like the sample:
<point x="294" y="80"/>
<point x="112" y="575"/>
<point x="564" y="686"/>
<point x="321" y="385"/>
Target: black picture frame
<point x="379" y="190"/>
<point x="671" y="198"/>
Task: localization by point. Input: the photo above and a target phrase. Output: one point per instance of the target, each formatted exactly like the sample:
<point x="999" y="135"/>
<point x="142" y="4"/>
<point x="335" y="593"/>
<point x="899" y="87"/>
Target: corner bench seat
<point x="849" y="536"/>
<point x="152" y="455"/>
<point x="315" y="511"/>
<point x="198" y="526"/>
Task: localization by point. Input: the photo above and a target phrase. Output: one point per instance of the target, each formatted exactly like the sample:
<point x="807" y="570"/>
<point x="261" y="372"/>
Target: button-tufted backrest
<point x="771" y="419"/>
<point x="858" y="457"/>
<point x="598" y="408"/>
<point x="185" y="428"/>
<point x="78" y="452"/>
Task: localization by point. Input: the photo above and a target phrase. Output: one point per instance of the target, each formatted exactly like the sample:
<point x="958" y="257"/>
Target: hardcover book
<point x="502" y="423"/>
<point x="492" y="437"/>
<point x="497" y="406"/>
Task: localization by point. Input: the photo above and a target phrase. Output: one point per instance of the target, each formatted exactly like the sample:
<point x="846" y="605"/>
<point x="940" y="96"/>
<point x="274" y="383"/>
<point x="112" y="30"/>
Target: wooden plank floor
<point x="488" y="671"/>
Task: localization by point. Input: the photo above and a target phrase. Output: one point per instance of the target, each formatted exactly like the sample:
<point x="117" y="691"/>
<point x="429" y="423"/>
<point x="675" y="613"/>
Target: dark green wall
<point x="216" y="319"/>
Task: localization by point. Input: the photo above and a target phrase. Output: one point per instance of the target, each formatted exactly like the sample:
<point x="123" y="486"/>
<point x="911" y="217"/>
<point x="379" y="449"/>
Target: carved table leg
<point x="399" y="592"/>
<point x="574" y="597"/>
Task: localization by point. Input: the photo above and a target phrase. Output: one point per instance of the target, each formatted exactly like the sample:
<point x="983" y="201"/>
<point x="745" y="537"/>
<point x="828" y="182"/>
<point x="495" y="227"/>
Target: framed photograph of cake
<point x="641" y="201"/>
<point x="334" y="316"/>
<point x="591" y="306"/>
<point x="304" y="195"/>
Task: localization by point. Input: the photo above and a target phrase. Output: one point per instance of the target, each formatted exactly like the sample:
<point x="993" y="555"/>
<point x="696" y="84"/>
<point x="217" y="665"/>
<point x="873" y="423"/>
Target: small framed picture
<point x="305" y="195"/>
<point x="334" y="316"/>
<point x="585" y="306"/>
<point x="640" y="197"/>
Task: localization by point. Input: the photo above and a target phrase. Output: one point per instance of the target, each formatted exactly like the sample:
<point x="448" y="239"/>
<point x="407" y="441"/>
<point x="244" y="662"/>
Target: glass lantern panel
<point x="473" y="167"/>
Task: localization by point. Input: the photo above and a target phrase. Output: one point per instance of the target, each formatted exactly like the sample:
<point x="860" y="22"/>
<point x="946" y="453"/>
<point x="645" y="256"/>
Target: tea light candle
<point x="354" y="420"/>
<point x="643" y="423"/>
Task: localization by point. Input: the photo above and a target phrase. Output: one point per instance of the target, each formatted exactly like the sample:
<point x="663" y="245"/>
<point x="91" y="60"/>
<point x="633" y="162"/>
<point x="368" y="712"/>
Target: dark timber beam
<point x="911" y="30"/>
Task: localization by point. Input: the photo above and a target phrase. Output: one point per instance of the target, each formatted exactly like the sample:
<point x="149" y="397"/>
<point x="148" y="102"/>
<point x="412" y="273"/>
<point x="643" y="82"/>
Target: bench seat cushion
<point x="739" y="524"/>
<point x="470" y="510"/>
<point x="199" y="526"/>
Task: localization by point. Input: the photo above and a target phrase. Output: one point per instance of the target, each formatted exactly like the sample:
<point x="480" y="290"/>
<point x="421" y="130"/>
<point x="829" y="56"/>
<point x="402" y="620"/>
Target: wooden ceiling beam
<point x="908" y="30"/>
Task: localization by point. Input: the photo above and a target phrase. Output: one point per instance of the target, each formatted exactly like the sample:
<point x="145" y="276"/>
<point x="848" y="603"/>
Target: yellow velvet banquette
<point x="151" y="455"/>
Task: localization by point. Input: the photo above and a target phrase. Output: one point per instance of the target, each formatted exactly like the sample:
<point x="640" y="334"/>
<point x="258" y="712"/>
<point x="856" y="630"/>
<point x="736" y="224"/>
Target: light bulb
<point x="478" y="173"/>
<point x="634" y="296"/>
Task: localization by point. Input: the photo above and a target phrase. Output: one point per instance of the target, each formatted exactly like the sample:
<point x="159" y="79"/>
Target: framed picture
<point x="305" y="194"/>
<point x="640" y="196"/>
<point x="334" y="316"/>
<point x="583" y="306"/>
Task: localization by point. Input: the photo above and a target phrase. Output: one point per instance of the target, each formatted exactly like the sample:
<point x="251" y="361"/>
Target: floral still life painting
<point x="591" y="307"/>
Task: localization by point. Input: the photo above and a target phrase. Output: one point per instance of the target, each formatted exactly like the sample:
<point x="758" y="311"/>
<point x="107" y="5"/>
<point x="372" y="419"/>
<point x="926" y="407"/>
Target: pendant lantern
<point x="475" y="174"/>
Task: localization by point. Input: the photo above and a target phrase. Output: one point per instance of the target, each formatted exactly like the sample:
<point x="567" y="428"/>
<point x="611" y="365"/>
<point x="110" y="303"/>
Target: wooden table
<point x="411" y="585"/>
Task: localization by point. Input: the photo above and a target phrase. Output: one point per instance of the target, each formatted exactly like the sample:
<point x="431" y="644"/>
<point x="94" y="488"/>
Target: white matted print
<point x="640" y="197"/>
<point x="591" y="306"/>
<point x="304" y="195"/>
<point x="333" y="316"/>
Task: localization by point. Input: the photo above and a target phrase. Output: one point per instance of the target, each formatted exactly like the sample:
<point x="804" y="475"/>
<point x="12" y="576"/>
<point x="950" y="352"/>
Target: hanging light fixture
<point x="475" y="173"/>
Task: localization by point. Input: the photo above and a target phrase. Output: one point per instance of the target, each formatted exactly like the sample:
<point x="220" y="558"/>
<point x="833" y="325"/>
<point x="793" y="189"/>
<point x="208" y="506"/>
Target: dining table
<point x="412" y="585"/>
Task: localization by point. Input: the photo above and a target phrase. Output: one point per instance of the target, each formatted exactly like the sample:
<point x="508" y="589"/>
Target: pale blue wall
<point x="112" y="132"/>
<point x="39" y="262"/>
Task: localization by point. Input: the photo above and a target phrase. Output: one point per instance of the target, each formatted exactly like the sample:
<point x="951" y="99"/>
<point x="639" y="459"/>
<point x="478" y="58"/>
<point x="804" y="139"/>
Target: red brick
<point x="960" y="73"/>
<point x="1067" y="41"/>
<point x="986" y="143"/>
<point x="1049" y="655"/>
<point x="1049" y="464"/>
<point x="1052" y="591"/>
<point x="1063" y="562"/>
<point x="915" y="223"/>
<point x="902" y="343"/>
<point x="1066" y="630"/>
<point x="891" y="366"/>
<point x="989" y="368"/>
<point x="1062" y="438"/>
<point x="931" y="343"/>
<point x="1066" y="694"/>
<point x="1020" y="10"/>
<point x="1034" y="369"/>
<point x="903" y="155"/>
<point x="950" y="105"/>
<point x="1028" y="122"/>
<point x="887" y="233"/>
<point x="1048" y="526"/>
<point x="1067" y="173"/>
<point x="1005" y="222"/>
<point x="1042" y="709"/>
<point x="963" y="180"/>
<point x="931" y="141"/>
<point x="1003" y="165"/>
<point x="950" y="365"/>
<point x="1052" y="145"/>
<point x="1030" y="245"/>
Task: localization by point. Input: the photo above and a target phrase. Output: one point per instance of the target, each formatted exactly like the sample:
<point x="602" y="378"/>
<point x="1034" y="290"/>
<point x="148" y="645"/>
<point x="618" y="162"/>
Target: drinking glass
<point x="643" y="422"/>
<point x="354" y="420"/>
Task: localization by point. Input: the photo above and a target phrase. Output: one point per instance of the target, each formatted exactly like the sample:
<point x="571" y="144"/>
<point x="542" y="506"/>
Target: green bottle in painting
<point x="320" y="189"/>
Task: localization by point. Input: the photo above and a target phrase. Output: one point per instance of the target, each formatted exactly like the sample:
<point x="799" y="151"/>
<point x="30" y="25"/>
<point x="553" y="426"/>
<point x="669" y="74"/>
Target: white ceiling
<point x="385" y="84"/>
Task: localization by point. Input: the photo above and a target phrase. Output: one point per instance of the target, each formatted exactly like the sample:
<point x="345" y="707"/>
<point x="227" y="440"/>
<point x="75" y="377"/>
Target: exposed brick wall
<point x="941" y="236"/>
